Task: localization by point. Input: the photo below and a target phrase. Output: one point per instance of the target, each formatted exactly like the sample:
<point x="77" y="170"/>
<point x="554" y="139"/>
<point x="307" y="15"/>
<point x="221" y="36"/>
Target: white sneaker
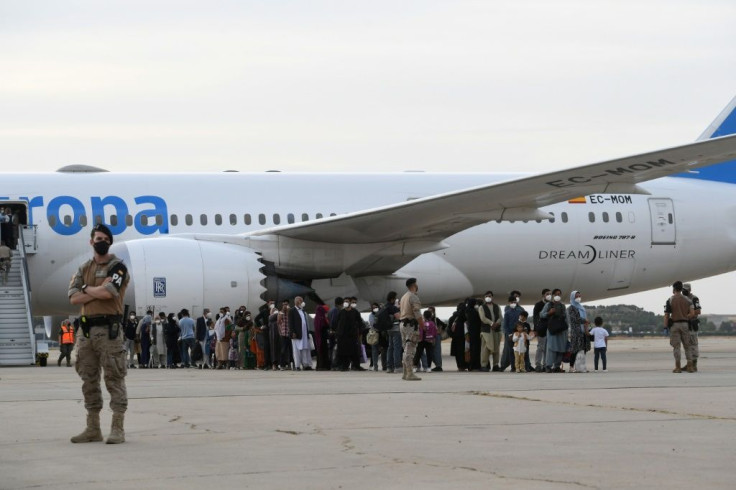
<point x="605" y="370"/>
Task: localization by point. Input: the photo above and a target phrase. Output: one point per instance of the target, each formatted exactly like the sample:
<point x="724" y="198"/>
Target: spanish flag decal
<point x="577" y="200"/>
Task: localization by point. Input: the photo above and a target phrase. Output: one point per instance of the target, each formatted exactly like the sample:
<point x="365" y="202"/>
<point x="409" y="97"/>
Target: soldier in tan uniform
<point x="99" y="287"/>
<point x="678" y="312"/>
<point x="412" y="326"/>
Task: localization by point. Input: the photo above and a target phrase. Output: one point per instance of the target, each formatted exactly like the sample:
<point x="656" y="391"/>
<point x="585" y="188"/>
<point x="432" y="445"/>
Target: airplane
<point x="200" y="240"/>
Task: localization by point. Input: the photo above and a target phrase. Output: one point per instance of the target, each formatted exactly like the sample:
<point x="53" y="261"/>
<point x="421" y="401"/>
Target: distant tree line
<point x="635" y="321"/>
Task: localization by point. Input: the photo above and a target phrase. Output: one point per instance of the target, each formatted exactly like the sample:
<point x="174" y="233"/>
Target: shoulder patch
<point x="119" y="274"/>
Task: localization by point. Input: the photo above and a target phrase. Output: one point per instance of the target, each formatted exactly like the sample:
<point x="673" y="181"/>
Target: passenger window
<point x="246" y="219"/>
<point x="619" y="217"/>
<point x="128" y="220"/>
<point x="144" y="220"/>
<point x="564" y="217"/>
<point x="203" y="219"/>
<point x="605" y="217"/>
<point x="98" y="219"/>
<point x="591" y="217"/>
<point x="333" y="214"/>
<point x="113" y="220"/>
<point x="276" y="219"/>
<point x="669" y="217"/>
<point x="552" y="219"/>
<point x="290" y="218"/>
<point x="52" y="220"/>
<point x="83" y="220"/>
<point x="189" y="220"/>
<point x="174" y="220"/>
<point x="233" y="219"/>
<point x="218" y="219"/>
<point x="632" y="217"/>
<point x="262" y="219"/>
<point x="319" y="216"/>
<point x="159" y="220"/>
<point x="67" y="220"/>
<point x="305" y="217"/>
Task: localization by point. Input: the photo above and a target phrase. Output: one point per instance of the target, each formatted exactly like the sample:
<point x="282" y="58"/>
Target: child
<point x="520" y="338"/>
<point x="523" y="316"/>
<point x="600" y="343"/>
<point x="429" y="336"/>
<point x="232" y="353"/>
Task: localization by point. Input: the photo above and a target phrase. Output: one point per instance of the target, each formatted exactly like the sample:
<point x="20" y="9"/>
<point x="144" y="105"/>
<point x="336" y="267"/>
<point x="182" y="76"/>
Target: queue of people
<point x="484" y="336"/>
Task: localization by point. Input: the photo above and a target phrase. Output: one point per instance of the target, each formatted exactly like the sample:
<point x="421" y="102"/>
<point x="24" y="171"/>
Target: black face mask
<point x="101" y="247"/>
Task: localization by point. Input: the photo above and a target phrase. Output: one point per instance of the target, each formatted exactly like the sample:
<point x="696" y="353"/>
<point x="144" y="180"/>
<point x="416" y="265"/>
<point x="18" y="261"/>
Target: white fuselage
<point x="607" y="246"/>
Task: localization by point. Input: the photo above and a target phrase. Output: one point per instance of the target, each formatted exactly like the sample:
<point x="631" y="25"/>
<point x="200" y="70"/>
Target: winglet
<point x="723" y="125"/>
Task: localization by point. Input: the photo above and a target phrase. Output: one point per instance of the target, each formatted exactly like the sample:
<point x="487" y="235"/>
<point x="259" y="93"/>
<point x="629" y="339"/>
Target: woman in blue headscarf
<point x="577" y="319"/>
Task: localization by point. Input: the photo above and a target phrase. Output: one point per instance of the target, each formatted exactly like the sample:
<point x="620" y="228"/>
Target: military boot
<point x="689" y="368"/>
<point x="695" y="365"/>
<point x="92" y="433"/>
<point x="117" y="434"/>
<point x="677" y="369"/>
<point x="410" y="376"/>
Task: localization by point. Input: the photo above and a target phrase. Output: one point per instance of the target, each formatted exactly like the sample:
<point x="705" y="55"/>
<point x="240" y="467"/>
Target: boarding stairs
<point x="17" y="339"/>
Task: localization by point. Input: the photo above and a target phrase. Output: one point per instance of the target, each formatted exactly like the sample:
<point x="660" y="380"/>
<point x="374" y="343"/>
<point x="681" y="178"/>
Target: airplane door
<point x="663" y="221"/>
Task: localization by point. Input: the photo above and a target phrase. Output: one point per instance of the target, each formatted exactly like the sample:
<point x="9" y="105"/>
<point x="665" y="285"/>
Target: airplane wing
<point x="434" y="218"/>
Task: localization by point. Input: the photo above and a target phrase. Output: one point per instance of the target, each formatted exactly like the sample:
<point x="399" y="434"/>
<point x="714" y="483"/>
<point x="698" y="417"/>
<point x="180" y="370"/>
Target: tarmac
<point x="636" y="426"/>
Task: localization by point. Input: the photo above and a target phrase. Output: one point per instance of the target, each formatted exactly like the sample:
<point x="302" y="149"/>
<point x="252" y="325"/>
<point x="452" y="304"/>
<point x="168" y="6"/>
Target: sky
<point x="346" y="86"/>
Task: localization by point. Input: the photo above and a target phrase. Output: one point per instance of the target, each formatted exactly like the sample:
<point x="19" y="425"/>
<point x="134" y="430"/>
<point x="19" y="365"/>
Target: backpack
<point x="197" y="352"/>
<point x="384" y="320"/>
<point x="371" y="337"/>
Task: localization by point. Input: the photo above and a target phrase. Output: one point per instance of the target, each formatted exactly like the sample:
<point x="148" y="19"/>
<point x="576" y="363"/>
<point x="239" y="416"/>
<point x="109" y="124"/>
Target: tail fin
<point x="723" y="125"/>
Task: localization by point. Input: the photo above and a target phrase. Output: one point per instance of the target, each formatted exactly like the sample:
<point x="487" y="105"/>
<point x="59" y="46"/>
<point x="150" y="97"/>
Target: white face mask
<point x="489" y="299"/>
<point x="132" y="317"/>
<point x="548" y="297"/>
<point x="513" y="305"/>
<point x="579" y="299"/>
<point x="346" y="305"/>
<point x="375" y="310"/>
<point x="353" y="305"/>
<point x="247" y="318"/>
<point x="557" y="298"/>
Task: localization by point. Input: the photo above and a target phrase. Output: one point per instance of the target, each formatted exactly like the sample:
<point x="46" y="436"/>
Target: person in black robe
<point x="457" y="332"/>
<point x="473" y="321"/>
<point x="348" y="331"/>
<point x="171" y="336"/>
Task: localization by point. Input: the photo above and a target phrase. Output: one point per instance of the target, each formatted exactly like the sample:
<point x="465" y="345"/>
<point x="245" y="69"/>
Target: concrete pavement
<point x="637" y="426"/>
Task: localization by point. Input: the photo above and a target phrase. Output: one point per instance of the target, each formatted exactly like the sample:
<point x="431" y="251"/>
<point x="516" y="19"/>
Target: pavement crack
<point x="596" y="405"/>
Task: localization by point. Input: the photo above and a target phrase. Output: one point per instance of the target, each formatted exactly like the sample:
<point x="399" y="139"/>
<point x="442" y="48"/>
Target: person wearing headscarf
<point x="321" y="336"/>
<point x="457" y="332"/>
<point x="577" y="319"/>
<point x="473" y="322"/>
<point x="557" y="327"/>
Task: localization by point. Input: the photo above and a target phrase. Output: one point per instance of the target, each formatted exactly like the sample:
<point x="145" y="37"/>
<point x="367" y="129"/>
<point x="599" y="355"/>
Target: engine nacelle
<point x="169" y="273"/>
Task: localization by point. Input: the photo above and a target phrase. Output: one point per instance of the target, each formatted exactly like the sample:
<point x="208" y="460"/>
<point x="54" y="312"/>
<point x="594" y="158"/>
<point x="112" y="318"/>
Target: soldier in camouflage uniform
<point x="694" y="324"/>
<point x="412" y="325"/>
<point x="99" y="287"/>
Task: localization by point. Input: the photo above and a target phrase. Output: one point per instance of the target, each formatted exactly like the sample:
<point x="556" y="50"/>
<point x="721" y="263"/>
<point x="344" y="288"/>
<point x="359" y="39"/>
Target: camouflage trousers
<point x="409" y="339"/>
<point x="97" y="353"/>
<point x="694" y="351"/>
<point x="679" y="334"/>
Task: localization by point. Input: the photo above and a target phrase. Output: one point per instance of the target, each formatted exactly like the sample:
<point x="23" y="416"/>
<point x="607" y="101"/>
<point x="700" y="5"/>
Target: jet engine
<point x="170" y="273"/>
